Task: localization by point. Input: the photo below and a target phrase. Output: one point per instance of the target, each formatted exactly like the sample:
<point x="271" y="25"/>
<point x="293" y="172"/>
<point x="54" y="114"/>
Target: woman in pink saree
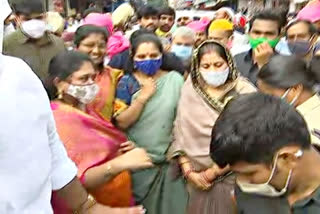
<point x="100" y="151"/>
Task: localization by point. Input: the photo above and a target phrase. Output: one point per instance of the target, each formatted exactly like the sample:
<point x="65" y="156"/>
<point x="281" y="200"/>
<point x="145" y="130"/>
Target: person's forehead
<point x="218" y="33"/>
<point x="182" y="38"/>
<point x="211" y="56"/>
<point x="147" y="47"/>
<point x="95" y="37"/>
<point x="265" y="25"/>
<point x="298" y="28"/>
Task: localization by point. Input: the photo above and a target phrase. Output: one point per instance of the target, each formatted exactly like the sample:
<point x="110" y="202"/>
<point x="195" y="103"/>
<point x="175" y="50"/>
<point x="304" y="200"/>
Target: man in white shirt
<point x="33" y="161"/>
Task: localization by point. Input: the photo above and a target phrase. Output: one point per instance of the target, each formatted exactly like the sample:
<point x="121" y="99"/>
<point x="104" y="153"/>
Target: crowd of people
<point x="144" y="111"/>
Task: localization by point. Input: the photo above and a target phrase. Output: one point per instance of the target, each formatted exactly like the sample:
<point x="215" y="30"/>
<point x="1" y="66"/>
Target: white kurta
<point x="33" y="161"/>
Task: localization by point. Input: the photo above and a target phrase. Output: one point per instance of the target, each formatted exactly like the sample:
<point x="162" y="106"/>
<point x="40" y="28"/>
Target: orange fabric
<point x="102" y="106"/>
<point x="91" y="142"/>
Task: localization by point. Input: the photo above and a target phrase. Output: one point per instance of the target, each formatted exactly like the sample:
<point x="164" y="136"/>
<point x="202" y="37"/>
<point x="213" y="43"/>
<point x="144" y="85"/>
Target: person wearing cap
<point x="311" y="12"/>
<point x="221" y="30"/>
<point x="199" y="27"/>
<point x="55" y="23"/>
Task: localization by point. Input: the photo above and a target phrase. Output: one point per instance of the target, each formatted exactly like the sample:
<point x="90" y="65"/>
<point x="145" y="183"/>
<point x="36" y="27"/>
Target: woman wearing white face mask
<point x="100" y="151"/>
<point x="214" y="80"/>
<point x="289" y="77"/>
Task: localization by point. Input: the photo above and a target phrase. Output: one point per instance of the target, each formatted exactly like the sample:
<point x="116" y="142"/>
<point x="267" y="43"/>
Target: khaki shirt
<point x="310" y="110"/>
<point x="36" y="53"/>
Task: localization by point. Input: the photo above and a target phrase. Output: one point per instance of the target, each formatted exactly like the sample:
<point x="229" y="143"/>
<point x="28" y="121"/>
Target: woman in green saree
<point x="145" y="106"/>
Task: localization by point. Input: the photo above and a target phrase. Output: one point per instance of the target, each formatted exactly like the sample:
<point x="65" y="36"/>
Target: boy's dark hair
<point x="267" y="15"/>
<point x="147" y="11"/>
<point x="168" y="11"/>
<point x="253" y="127"/>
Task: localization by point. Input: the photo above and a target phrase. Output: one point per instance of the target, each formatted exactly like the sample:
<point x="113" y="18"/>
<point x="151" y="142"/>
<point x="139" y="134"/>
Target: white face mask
<point x="266" y="189"/>
<point x="85" y="94"/>
<point x="215" y="78"/>
<point x="34" y="28"/>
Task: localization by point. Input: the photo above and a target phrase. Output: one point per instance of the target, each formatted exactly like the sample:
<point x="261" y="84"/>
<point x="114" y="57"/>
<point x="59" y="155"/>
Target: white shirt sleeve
<point x="63" y="169"/>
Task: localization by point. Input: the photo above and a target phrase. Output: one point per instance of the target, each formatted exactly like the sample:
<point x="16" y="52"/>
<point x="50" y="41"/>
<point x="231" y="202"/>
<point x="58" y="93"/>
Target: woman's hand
<point x="135" y="159"/>
<point x="127" y="146"/>
<point x="198" y="181"/>
<point x="148" y="88"/>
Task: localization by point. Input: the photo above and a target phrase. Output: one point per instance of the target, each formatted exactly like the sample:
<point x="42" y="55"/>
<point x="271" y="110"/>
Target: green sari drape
<point x="155" y="188"/>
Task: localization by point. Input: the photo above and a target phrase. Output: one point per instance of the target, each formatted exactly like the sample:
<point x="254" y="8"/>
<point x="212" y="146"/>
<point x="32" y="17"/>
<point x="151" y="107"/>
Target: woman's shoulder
<point x="244" y="86"/>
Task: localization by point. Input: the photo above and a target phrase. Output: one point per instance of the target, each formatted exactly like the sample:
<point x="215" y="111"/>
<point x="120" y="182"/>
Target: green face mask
<point x="256" y="42"/>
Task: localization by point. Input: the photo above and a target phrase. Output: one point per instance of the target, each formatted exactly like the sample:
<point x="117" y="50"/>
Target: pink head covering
<point x="310" y="12"/>
<point x="199" y="26"/>
<point x="100" y="20"/>
<point x="116" y="44"/>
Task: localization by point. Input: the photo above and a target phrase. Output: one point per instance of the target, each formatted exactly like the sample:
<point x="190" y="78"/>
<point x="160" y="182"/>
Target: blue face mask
<point x="149" y="66"/>
<point x="182" y="51"/>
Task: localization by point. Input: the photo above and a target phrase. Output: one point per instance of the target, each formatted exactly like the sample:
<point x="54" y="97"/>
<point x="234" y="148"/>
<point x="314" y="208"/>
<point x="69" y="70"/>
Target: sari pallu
<point x="102" y="106"/>
<point x="196" y="116"/>
<point x="155" y="188"/>
<point x="90" y="142"/>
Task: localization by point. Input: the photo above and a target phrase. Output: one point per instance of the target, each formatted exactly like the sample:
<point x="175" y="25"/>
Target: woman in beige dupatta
<point x="213" y="81"/>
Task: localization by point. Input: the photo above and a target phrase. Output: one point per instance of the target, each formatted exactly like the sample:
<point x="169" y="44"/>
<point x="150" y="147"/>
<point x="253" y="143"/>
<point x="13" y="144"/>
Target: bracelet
<point x="91" y="202"/>
<point x="184" y="162"/>
<point x="187" y="173"/>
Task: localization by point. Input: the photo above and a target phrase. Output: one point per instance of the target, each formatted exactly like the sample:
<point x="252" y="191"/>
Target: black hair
<point x="282" y="13"/>
<point x="315" y="68"/>
<point x="168" y="11"/>
<point x="146" y="11"/>
<point x="138" y="33"/>
<point x="144" y="38"/>
<point x="209" y="47"/>
<point x="312" y="28"/>
<point x="285" y="72"/>
<point x="267" y="15"/>
<point x="85" y="30"/>
<point x="62" y="66"/>
<point x="91" y="10"/>
<point x="28" y="7"/>
<point x="253" y="127"/>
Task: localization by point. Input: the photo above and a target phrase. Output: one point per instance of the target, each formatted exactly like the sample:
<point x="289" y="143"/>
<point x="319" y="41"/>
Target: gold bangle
<point x="184" y="162"/>
<point x="90" y="201"/>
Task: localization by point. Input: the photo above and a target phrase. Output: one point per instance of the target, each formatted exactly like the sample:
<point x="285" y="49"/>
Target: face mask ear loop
<point x="295" y="99"/>
<point x="285" y="93"/>
<point x="273" y="169"/>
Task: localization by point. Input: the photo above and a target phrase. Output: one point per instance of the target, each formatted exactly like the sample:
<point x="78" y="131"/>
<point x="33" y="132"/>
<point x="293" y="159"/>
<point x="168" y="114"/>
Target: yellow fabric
<point x="160" y="33"/>
<point x="122" y="14"/>
<point x="310" y="110"/>
<point x="55" y="22"/>
<point x="220" y="24"/>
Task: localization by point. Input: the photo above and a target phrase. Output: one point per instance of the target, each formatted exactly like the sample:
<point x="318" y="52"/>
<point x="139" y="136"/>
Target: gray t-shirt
<point x="253" y="204"/>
